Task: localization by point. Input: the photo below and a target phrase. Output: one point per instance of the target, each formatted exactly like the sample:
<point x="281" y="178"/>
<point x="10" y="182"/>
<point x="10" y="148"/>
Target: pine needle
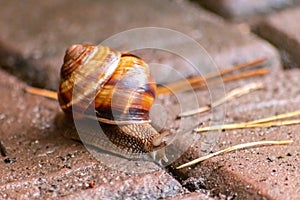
<point x="41" y="92"/>
<point x="236" y="67"/>
<point x="277" y="117"/>
<point x="199" y="82"/>
<point x="232" y="148"/>
<point x="265" y="122"/>
<point x="235" y="93"/>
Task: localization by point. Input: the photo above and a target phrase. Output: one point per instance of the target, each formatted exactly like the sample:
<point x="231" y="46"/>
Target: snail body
<point x="118" y="89"/>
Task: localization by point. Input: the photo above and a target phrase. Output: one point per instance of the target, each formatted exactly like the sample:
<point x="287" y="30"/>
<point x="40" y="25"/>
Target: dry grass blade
<point x="277" y="117"/>
<point x="185" y="85"/>
<point x="264" y="122"/>
<point x="180" y="86"/>
<point x="235" y="93"/>
<point x="200" y="81"/>
<point x="232" y="148"/>
<point x="247" y="74"/>
<point x="246" y="125"/>
<point x="41" y="92"/>
<point x="236" y="67"/>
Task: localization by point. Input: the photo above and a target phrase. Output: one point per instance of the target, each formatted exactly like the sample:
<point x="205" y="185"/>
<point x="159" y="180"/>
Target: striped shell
<point x="117" y="86"/>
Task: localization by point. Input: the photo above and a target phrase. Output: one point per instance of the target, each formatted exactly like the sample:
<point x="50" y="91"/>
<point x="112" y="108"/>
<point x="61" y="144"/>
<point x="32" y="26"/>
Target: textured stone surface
<point x="270" y="172"/>
<point x="238" y="9"/>
<point x="42" y="164"/>
<point x="282" y="29"/>
<point x="35" y="52"/>
<point x="192" y="196"/>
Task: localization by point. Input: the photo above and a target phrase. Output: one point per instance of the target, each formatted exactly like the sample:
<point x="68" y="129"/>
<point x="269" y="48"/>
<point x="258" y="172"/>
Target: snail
<point x="118" y="90"/>
<point x="92" y="76"/>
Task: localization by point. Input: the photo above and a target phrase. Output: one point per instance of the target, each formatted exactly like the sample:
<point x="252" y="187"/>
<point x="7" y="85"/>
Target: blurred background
<point x="34" y="35"/>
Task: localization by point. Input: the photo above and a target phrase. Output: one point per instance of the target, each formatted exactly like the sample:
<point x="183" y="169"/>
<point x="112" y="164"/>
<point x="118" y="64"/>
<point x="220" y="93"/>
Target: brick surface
<point x="192" y="196"/>
<point x="240" y="9"/>
<point x="282" y="30"/>
<point x="43" y="164"/>
<point x="270" y="172"/>
<point x="33" y="40"/>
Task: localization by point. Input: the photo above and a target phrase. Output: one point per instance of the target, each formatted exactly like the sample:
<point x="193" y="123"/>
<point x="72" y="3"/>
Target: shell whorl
<point x="116" y="86"/>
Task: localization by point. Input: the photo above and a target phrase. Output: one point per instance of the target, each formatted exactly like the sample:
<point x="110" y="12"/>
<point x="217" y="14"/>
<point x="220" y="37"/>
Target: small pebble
<point x="271" y="158"/>
<point x="279" y="157"/>
<point x="54" y="186"/>
<point x="10" y="160"/>
<point x="42" y="180"/>
<point x="92" y="184"/>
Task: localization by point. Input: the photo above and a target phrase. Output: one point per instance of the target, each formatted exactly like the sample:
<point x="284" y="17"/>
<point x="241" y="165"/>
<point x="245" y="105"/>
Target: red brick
<point x="282" y="30"/>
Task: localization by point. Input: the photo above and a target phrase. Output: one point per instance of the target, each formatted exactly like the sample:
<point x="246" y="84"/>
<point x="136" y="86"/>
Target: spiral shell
<point x="118" y="88"/>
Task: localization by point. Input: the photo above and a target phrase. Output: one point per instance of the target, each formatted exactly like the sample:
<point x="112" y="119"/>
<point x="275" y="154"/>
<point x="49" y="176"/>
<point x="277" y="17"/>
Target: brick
<point x="47" y="165"/>
<point x="281" y="29"/>
<point x="192" y="196"/>
<point x="270" y="172"/>
<point x="33" y="43"/>
<point x="144" y="187"/>
<point x="241" y="9"/>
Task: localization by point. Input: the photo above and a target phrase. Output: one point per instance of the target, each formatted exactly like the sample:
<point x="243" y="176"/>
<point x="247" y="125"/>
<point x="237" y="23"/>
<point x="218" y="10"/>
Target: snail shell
<point x="118" y="89"/>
